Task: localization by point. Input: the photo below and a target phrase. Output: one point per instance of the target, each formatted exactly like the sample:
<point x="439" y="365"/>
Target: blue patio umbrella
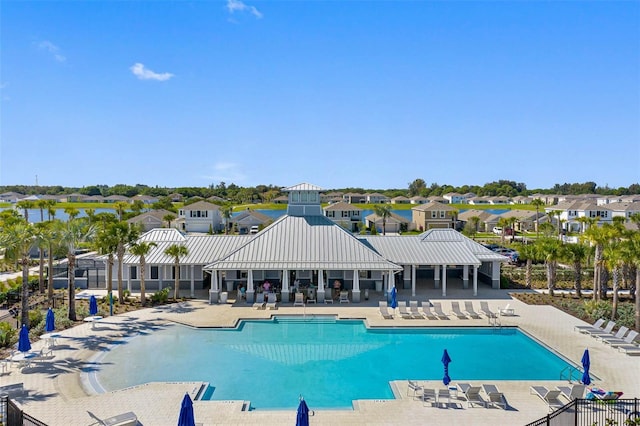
<point x="586" y="363"/>
<point x="394" y="298"/>
<point x="446" y="359"/>
<point x="50" y="322"/>
<point x="93" y="305"/>
<point x="186" y="412"/>
<point x="24" y="345"/>
<point x="302" y="418"/>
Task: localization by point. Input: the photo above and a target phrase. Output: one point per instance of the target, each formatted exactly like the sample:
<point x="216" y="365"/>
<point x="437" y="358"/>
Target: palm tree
<point x="598" y="237"/>
<point x="91" y="214"/>
<point x="383" y="211"/>
<point x="631" y="255"/>
<point x="17" y="241"/>
<point x="576" y="254"/>
<point x="613" y="260"/>
<point x="529" y="253"/>
<point x="227" y="212"/>
<point x="551" y="250"/>
<point x="25" y="205"/>
<point x="537" y="203"/>
<point x="169" y="218"/>
<point x="72" y="234"/>
<point x="41" y="243"/>
<point x="635" y="218"/>
<point x="123" y="234"/>
<point x="120" y="207"/>
<point x="106" y="242"/>
<point x="49" y="238"/>
<point x="41" y="205"/>
<point x="558" y="214"/>
<point x="475" y="220"/>
<point x="72" y="212"/>
<point x="502" y="223"/>
<point x="141" y="249"/>
<point x="176" y="251"/>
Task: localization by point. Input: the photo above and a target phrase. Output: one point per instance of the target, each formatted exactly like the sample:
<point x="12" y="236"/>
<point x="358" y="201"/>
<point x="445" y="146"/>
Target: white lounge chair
<point x="619" y="334"/>
<point x="507" y="311"/>
<point x="124" y="419"/>
<point x="259" y="303"/>
<point x="496" y="398"/>
<point x="628" y="340"/>
<point x="472" y="394"/>
<point x="384" y="310"/>
<point x="455" y="308"/>
<point x="344" y="297"/>
<point x="595" y="326"/>
<point x="605" y="331"/>
<point x="550" y="397"/>
<point x="484" y="308"/>
<point x="426" y="311"/>
<point x="414" y="388"/>
<point x="272" y="301"/>
<point x="468" y="307"/>
<point x="428" y="395"/>
<point x="413" y="309"/>
<point x="402" y="310"/>
<point x="572" y="392"/>
<point x="299" y="300"/>
<point x="630" y="349"/>
<point x="311" y="295"/>
<point x="437" y="308"/>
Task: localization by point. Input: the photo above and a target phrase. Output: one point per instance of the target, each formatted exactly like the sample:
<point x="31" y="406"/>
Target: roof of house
<point x="393" y="218"/>
<point x="201" y="205"/>
<point x="411" y="250"/>
<point x="303" y="187"/>
<point x="433" y="205"/>
<point x="151" y="214"/>
<point x="451" y="235"/>
<point x="342" y="206"/>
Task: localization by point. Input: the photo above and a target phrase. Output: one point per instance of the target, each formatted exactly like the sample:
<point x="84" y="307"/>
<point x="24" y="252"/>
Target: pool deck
<point x="57" y="392"/>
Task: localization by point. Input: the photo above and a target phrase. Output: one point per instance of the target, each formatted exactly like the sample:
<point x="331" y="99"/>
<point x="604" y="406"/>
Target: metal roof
<point x="412" y="250"/>
<point x="451" y="235"/>
<point x="312" y="242"/>
<point x="303" y="187"/>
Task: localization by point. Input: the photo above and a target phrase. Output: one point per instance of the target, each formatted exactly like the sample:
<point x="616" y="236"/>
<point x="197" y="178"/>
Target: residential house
<point x="437" y="199"/>
<point x="482" y="215"/>
<point x="330" y="197"/>
<point x="625" y="210"/>
<point x="394" y="223"/>
<point x="94" y="199"/>
<point x="354" y="198"/>
<point x="10" y="197"/>
<point x="571" y="213"/>
<point x="400" y="199"/>
<point x="418" y="199"/>
<point x="146" y="199"/>
<point x="521" y="199"/>
<point x="525" y="219"/>
<point x="479" y="201"/>
<point x="150" y="220"/>
<point x="376" y="198"/>
<point x="455" y="198"/>
<point x="280" y="200"/>
<point x="344" y="214"/>
<point x="433" y="215"/>
<point x="244" y="220"/>
<point x="201" y="216"/>
<point x="117" y="199"/>
<point x="175" y="197"/>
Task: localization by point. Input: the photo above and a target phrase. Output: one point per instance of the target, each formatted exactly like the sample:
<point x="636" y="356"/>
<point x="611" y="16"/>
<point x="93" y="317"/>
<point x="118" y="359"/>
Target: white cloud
<point x="239" y="6"/>
<point x="143" y="73"/>
<point x="52" y="49"/>
<point x="227" y="172"/>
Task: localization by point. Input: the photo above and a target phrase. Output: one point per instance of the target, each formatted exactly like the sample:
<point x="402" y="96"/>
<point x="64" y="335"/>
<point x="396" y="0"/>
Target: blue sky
<point x="369" y="94"/>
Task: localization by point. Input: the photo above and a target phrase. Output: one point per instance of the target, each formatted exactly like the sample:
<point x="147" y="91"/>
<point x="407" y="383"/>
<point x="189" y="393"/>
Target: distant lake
<point x="34" y="214"/>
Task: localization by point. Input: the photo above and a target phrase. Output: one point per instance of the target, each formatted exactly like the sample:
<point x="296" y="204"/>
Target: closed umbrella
<point x="186" y="412"/>
<point x="394" y="298"/>
<point x="446" y="360"/>
<point x="50" y="322"/>
<point x="24" y="345"/>
<point x="302" y="418"/>
<point x="93" y="305"/>
<point x="586" y="363"/>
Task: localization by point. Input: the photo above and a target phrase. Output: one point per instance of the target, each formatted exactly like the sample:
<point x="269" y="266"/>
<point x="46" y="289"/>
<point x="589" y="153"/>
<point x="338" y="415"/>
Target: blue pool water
<point x="330" y="363"/>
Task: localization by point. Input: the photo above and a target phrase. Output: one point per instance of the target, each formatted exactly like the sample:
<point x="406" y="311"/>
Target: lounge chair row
<point x="624" y="339"/>
<point x="465" y="392"/>
<point x="270" y="303"/>
<point x="434" y="310"/>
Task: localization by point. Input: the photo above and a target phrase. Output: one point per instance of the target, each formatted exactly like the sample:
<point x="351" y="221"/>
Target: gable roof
<point x="341" y="205"/>
<point x="303" y="187"/>
<point x="412" y="250"/>
<point x="451" y="235"/>
<point x="201" y="205"/>
<point x="433" y="205"/>
<point x="319" y="244"/>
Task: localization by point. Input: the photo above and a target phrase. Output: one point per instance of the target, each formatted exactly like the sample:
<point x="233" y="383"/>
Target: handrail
<point x="570" y="370"/>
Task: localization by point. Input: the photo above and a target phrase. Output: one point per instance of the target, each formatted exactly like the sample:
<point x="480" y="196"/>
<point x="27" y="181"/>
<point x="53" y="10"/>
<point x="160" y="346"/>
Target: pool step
<point x="201" y="390"/>
<point x="323" y="319"/>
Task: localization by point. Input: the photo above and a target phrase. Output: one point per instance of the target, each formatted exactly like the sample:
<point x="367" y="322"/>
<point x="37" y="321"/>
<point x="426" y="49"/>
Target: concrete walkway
<point x="58" y="392"/>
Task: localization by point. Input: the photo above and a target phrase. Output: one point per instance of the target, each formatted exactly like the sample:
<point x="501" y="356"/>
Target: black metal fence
<point x="12" y="415"/>
<point x="586" y="412"/>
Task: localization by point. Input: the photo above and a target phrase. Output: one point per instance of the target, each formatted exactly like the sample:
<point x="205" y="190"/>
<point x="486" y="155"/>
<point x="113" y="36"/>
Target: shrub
<point x="7" y="335"/>
<point x="35" y="317"/>
<point x="160" y="297"/>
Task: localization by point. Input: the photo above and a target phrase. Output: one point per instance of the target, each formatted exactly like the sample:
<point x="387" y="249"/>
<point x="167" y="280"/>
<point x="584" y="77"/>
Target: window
<point x="366" y="275"/>
<point x="133" y="272"/>
<point x="154" y="272"/>
<point x="294" y="197"/>
<point x="434" y="214"/>
<point x="442" y="214"/>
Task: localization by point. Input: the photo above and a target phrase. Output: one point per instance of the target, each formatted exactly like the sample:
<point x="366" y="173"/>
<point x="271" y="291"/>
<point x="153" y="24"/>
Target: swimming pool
<point x="329" y="362"/>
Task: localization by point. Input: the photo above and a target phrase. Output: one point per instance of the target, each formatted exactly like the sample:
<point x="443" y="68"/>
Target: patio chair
<point x="413" y="309"/>
<point x="472" y="394"/>
<point x="618" y="336"/>
<point x="507" y="311"/>
<point x="414" y="388"/>
<point x="384" y="310"/>
<point x="595" y="326"/>
<point x="455" y="308"/>
<point x="259" y="303"/>
<point x="311" y="295"/>
<point x="426" y="311"/>
<point x="299" y="300"/>
<point x="272" y="301"/>
<point x="442" y="395"/>
<point x="484" y="308"/>
<point x="496" y="398"/>
<point x="437" y="308"/>
<point x="344" y="297"/>
<point x="402" y="310"/>
<point x="572" y="392"/>
<point x="630" y="349"/>
<point x="468" y="307"/>
<point x="550" y="397"/>
<point x="605" y="331"/>
<point x="631" y="337"/>
<point x="124" y="419"/>
<point x="428" y="395"/>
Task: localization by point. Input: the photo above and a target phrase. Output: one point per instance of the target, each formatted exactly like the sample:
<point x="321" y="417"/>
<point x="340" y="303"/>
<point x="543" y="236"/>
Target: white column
<point x="412" y="270"/>
<point x="160" y="276"/>
<point x="320" y="295"/>
<point x="495" y="274"/>
<point x="128" y="278"/>
<point x="465" y="276"/>
<point x="193" y="283"/>
<point x="475" y="280"/>
<point x="250" y="290"/>
<point x="391" y="279"/>
<point x="214" y="293"/>
<point x="284" y="293"/>
<point x="444" y="280"/>
<point x="355" y="293"/>
<point x="436" y="276"/>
